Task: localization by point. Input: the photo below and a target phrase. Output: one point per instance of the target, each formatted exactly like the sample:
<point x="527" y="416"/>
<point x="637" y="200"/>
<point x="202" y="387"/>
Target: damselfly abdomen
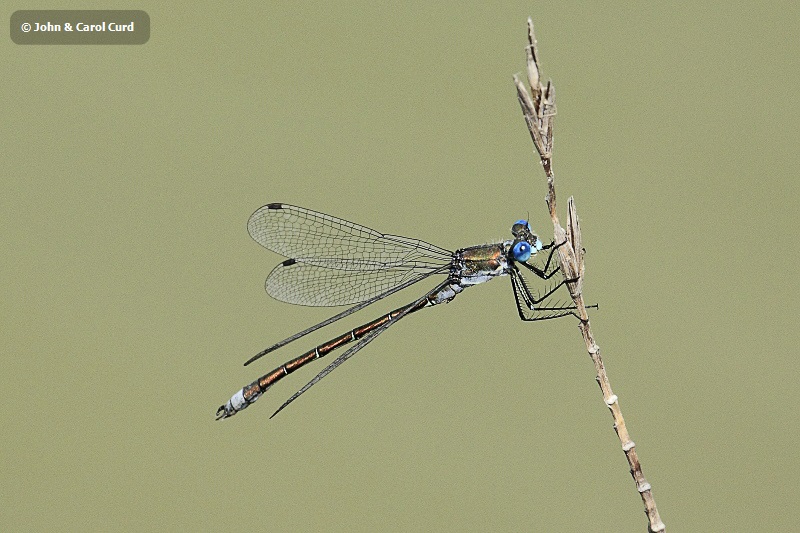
<point x="335" y="262"/>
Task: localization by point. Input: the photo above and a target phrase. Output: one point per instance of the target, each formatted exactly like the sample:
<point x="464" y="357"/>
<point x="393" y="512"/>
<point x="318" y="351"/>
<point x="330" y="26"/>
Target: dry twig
<point x="538" y="108"/>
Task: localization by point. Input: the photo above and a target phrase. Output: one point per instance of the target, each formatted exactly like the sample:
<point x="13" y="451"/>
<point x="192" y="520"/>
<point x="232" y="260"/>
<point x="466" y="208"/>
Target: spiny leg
<point x="527" y="303"/>
<point x="530" y="299"/>
<point x="542" y="273"/>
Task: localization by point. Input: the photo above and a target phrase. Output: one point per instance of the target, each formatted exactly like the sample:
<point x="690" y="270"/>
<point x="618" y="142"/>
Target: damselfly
<point x="333" y="262"/>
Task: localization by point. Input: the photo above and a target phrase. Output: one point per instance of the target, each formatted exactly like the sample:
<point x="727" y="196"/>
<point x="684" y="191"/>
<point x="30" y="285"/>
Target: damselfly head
<point x="525" y="243"/>
<point x="521" y="228"/>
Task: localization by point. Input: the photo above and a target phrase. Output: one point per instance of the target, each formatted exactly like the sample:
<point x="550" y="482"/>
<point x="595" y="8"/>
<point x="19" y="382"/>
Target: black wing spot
<point x="289" y="262"/>
<point x="274" y="206"/>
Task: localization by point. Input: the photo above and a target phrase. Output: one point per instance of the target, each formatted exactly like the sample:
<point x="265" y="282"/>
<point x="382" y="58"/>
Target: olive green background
<point x="132" y="293"/>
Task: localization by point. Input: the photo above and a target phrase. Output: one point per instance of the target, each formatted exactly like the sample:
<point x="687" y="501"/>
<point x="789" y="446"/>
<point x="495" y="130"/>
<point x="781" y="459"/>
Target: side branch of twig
<point x="538" y="108"/>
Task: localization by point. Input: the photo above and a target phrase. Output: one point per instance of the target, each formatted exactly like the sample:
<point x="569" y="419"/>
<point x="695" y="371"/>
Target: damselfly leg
<point x="539" y="306"/>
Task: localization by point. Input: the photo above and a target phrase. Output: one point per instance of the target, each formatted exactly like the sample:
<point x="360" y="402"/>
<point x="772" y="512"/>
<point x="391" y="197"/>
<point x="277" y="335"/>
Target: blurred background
<point x="132" y="292"/>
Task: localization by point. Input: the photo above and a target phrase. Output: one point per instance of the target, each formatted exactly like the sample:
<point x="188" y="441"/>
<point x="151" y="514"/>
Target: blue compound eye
<point x="523" y="222"/>
<point x="521" y="251"/>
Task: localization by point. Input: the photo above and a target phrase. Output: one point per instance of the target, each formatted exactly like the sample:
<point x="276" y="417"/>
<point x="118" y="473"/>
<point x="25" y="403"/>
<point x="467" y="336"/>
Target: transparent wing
<point x="345" y="283"/>
<point x="306" y="236"/>
<point x="336" y="262"/>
